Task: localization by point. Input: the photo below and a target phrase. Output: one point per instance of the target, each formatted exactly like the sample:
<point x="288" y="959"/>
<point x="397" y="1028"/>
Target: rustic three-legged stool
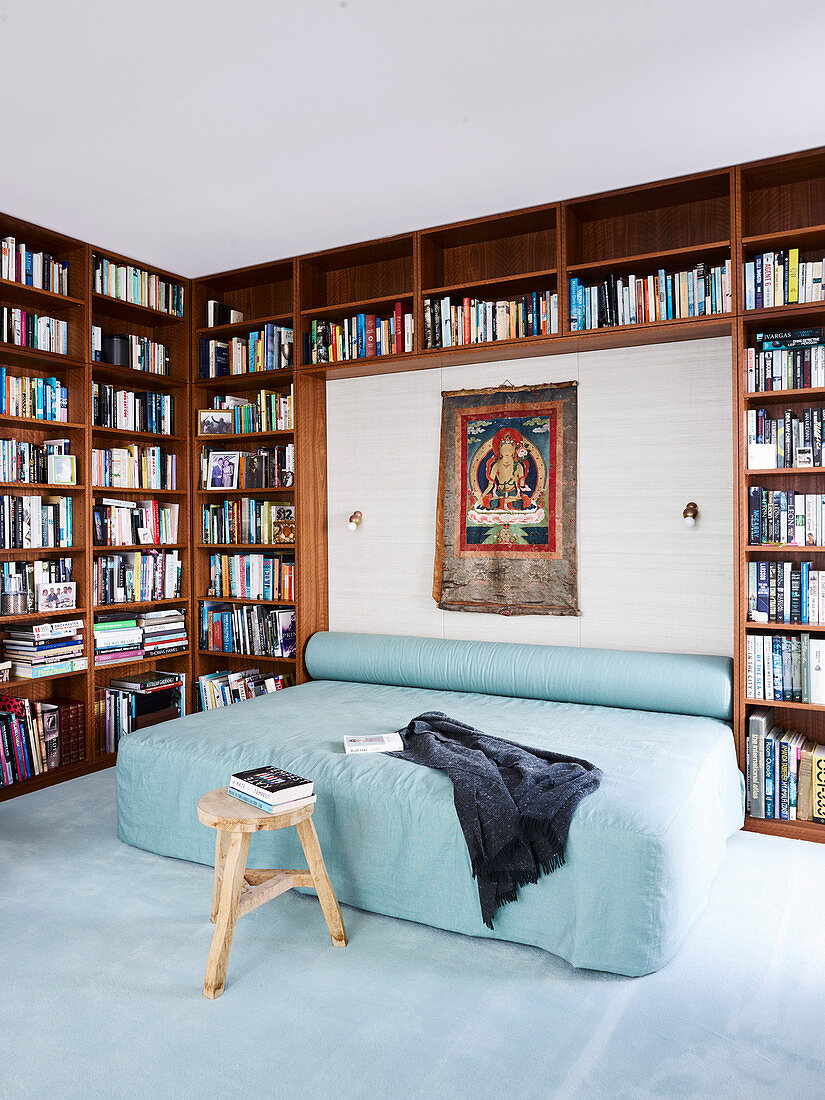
<point x="236" y="891"/>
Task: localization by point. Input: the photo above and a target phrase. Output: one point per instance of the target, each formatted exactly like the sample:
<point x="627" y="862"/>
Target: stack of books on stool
<point x="271" y="789"/>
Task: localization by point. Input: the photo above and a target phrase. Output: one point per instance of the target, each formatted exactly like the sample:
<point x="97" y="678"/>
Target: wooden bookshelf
<point x="120" y="318"/>
<point x="265" y="295"/>
<point x="77" y="371"/>
<point x="733" y="212"/>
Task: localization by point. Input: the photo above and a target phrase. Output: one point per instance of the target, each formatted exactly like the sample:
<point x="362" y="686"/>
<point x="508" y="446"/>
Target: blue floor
<point x="103" y="948"/>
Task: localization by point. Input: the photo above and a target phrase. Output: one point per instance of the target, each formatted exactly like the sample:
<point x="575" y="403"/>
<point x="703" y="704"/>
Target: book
<point x="373" y="742"/>
<point x="148" y="682"/>
<point x="272" y="785"/>
<point x="818" y="784"/>
<point x="281" y="807"/>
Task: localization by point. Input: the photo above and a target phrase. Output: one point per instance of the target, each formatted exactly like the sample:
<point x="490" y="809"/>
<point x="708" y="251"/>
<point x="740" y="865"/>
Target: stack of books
<point x="791" y="359"/>
<point x="138" y="575"/>
<point x="267" y="349"/>
<point x="134" y="522"/>
<point x="222" y="689"/>
<point x="38" y="269"/>
<point x="643" y="299"/>
<point x="218" y="313"/>
<point x="163" y="632"/>
<point x="118" y="638"/>
<point x="32" y="577"/>
<point x="25" y="329"/>
<point x="450" y="324"/>
<point x="786" y="668"/>
<point x="780" y="279"/>
<point x="37" y="736"/>
<point x="45" y="649"/>
<point x="786" y="772"/>
<point x="137" y="412"/>
<point x="38" y="398"/>
<point x="268" y="411"/>
<point x="136" y="702"/>
<point x="361" y="336"/>
<point x="247" y="576"/>
<point x="133" y="284"/>
<point x="35" y="522"/>
<point x="252" y="628"/>
<point x="46" y="462"/>
<point x="125" y="350"/>
<point x="271" y="789"/>
<point x="133" y="467"/>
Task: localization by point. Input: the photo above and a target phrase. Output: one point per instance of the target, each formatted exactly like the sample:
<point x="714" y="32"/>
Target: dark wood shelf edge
<point x="793" y="830"/>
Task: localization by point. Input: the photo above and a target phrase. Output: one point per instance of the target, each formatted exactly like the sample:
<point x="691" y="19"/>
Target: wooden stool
<point x="236" y="891"/>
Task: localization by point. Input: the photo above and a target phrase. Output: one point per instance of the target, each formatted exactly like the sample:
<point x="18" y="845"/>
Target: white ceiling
<point x="200" y="136"/>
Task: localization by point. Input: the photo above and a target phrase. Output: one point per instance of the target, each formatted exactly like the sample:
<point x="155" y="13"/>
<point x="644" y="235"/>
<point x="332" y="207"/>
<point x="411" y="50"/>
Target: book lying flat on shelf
<point x="271" y="785"/>
<point x="374" y="742"/>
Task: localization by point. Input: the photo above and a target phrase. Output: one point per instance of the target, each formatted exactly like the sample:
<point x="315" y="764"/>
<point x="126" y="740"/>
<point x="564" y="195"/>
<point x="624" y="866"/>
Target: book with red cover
<point x="370" y="342"/>
<point x="398" y="315"/>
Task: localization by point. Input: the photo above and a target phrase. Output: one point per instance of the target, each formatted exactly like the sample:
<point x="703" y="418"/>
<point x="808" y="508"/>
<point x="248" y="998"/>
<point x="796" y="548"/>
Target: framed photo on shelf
<point x="223" y="470"/>
<point x="62" y="469"/>
<point x="254" y="472"/>
<point x="146" y="536"/>
<point x="57" y="596"/>
<point x="216" y="421"/>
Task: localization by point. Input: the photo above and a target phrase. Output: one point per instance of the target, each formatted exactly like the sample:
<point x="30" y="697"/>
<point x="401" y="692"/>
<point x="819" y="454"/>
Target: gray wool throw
<point x="514" y="804"/>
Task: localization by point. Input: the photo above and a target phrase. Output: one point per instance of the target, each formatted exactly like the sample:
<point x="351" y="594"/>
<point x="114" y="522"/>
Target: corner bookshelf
<point x="70" y="370"/>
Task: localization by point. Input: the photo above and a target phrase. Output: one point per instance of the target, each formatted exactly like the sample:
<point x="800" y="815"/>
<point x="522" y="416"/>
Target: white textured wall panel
<point x="654" y="433"/>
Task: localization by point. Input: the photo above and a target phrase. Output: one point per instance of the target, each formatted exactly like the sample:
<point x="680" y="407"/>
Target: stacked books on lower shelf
<point x="271" y="789"/>
<point x="787" y="668"/>
<point x="38" y="736"/>
<point x="254" y="629"/>
<point x="136" y="702"/>
<point x="786" y="772"/>
<point x="121" y="638"/>
<point x="222" y="689"/>
<point x="44" y="649"/>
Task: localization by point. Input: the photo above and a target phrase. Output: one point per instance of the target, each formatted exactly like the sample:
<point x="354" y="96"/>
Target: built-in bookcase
<point x="78" y="371"/>
<point x="265" y="295"/>
<point x="693" y="224"/>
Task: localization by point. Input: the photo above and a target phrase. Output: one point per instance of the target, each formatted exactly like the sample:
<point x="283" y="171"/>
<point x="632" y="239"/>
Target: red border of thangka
<point x="461" y="549"/>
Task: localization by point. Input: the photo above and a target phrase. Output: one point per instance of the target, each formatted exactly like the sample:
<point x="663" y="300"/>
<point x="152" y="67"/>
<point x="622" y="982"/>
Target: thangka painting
<point x="506" y="522"/>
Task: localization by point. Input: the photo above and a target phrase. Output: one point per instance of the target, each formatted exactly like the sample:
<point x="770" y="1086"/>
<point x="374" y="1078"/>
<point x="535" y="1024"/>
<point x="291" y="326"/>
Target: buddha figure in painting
<point x="506" y="473"/>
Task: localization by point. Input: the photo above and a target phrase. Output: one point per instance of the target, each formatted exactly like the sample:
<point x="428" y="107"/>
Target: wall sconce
<point x="354" y="520"/>
<point x="690" y="514"/>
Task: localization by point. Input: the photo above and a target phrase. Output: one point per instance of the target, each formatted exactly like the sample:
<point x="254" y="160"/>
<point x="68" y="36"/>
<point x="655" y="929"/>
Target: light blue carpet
<point x="103" y="948"/>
